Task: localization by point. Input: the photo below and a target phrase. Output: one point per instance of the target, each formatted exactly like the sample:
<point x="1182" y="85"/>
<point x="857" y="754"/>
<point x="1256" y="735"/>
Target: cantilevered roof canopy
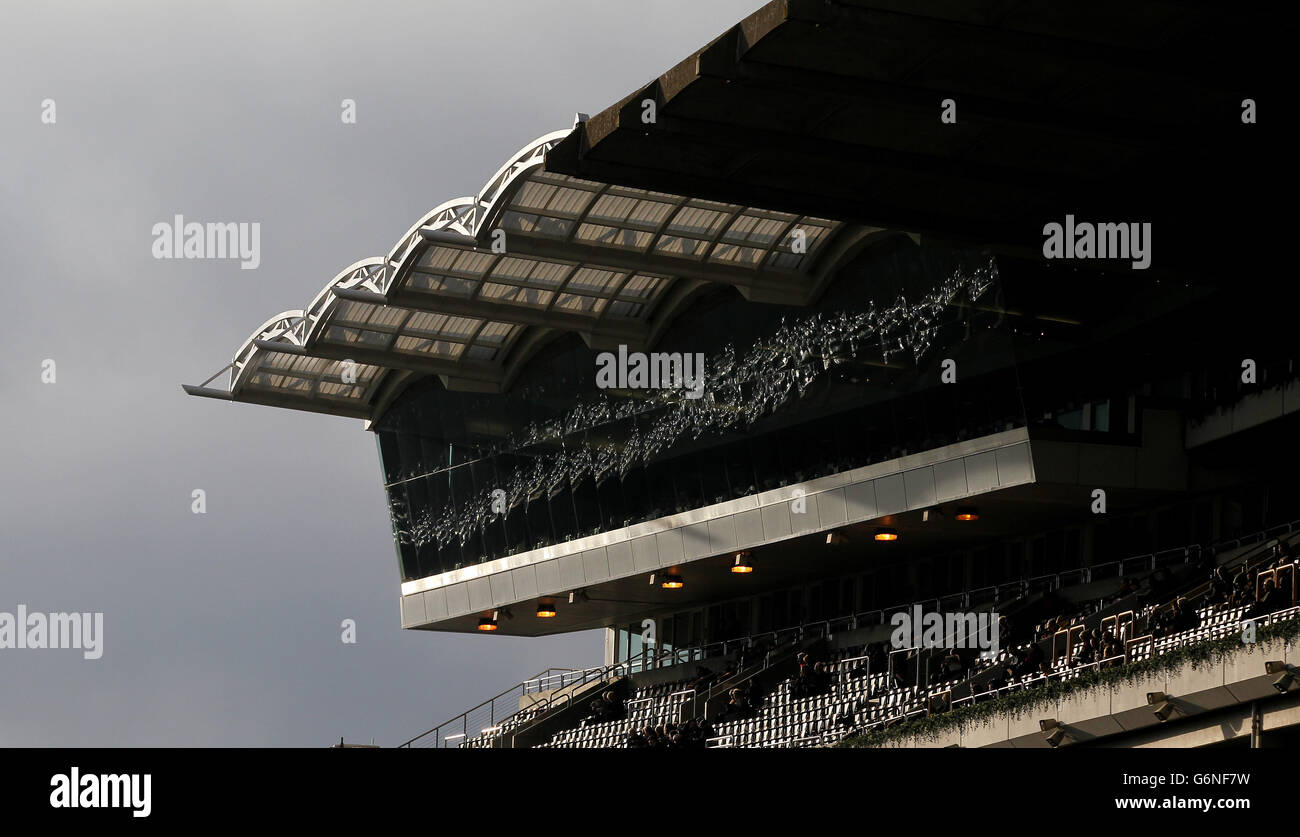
<point x="1112" y="110"/>
<point x="815" y="117"/>
<point x="478" y="284"/>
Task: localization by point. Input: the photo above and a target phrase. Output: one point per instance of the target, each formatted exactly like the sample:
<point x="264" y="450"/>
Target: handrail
<point x="1138" y="641"/>
<point x="946" y="694"/>
<point x="1261" y="577"/>
<point x="1116" y="619"/>
<point x="567" y="697"/>
<point x="463" y="717"/>
<point x="1069" y="641"/>
<point x="1010" y="687"/>
<point x="875" y="617"/>
<point x="680" y="702"/>
<point x="1294" y="571"/>
<point x="1288" y="613"/>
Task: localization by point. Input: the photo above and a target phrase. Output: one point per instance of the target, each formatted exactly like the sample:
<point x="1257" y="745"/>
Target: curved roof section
<point x="479" y="283"/>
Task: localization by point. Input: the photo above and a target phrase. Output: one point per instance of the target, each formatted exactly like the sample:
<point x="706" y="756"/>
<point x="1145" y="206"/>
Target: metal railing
<point x="1156" y="650"/>
<point x="489" y="717"/>
<point x="497" y="710"/>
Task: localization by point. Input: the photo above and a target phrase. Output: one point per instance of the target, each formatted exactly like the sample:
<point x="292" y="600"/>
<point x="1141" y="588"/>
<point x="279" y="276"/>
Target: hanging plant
<point x="1200" y="656"/>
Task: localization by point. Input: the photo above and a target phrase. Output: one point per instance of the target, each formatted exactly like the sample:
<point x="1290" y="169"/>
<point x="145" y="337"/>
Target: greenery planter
<point x="1049" y="694"/>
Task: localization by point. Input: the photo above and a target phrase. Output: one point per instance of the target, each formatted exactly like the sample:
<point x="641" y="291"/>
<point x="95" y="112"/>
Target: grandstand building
<point x="906" y="394"/>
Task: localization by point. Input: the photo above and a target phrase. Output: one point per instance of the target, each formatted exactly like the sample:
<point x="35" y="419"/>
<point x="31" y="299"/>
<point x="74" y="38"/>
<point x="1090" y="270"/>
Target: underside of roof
<point x="771" y="156"/>
<point x="1119" y="110"/>
<point x="477" y="285"/>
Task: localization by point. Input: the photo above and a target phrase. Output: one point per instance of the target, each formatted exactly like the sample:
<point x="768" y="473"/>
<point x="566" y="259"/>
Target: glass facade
<point x="443" y="450"/>
<point x="1038" y="349"/>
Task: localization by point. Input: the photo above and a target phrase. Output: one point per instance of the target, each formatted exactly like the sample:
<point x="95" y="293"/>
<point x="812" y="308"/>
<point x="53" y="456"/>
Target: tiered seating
<point x="488" y="738"/>
<point x="788" y="721"/>
<point x="647" y="706"/>
<point x="858" y="704"/>
<point x="858" y="700"/>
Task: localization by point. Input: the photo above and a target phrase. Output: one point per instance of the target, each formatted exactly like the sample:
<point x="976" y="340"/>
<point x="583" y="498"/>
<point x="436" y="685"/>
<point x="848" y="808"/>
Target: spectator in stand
<point x="1185" y="617"/>
<point x="1270" y="600"/>
<point x="738" y="709"/>
<point x="878" y="658"/>
<point x="819" y="682"/>
<point x="1220" y="587"/>
<point x="802" y="685"/>
<point x="607" y="707"/>
<point x="1085" y="653"/>
<point x="635" y="741"/>
<point x="1159" y="623"/>
<point x="1243" y="581"/>
<point x="1112" y="652"/>
<point x="1004" y="673"/>
<point x="1029" y="664"/>
<point x="688" y="735"/>
<point x="951" y="666"/>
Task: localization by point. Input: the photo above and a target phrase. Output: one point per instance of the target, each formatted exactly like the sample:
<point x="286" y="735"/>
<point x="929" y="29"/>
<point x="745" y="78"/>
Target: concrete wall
<point x="1251" y="411"/>
<point x="913" y="482"/>
<point x="1206" y="696"/>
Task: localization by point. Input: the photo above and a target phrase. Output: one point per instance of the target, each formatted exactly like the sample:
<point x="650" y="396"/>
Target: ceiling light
<point x="743" y="564"/>
<point x="967" y="513"/>
<point x="884" y="533"/>
<point x="673" y="582"/>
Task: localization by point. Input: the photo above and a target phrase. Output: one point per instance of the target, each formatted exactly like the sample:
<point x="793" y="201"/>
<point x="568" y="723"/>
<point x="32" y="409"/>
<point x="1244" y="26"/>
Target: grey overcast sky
<point x="223" y="628"/>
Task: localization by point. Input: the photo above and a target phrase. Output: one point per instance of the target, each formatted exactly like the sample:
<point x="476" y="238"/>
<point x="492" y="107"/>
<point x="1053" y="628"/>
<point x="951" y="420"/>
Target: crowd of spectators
<point x="743" y="702"/>
<point x="813" y="678"/>
<point x="607" y="707"/>
<point x="690" y="735"/>
<point x="1243" y="589"/>
<point x="1089" y="646"/>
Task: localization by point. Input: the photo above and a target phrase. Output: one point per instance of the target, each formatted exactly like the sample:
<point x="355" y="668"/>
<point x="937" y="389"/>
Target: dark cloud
<point x="223" y="629"/>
